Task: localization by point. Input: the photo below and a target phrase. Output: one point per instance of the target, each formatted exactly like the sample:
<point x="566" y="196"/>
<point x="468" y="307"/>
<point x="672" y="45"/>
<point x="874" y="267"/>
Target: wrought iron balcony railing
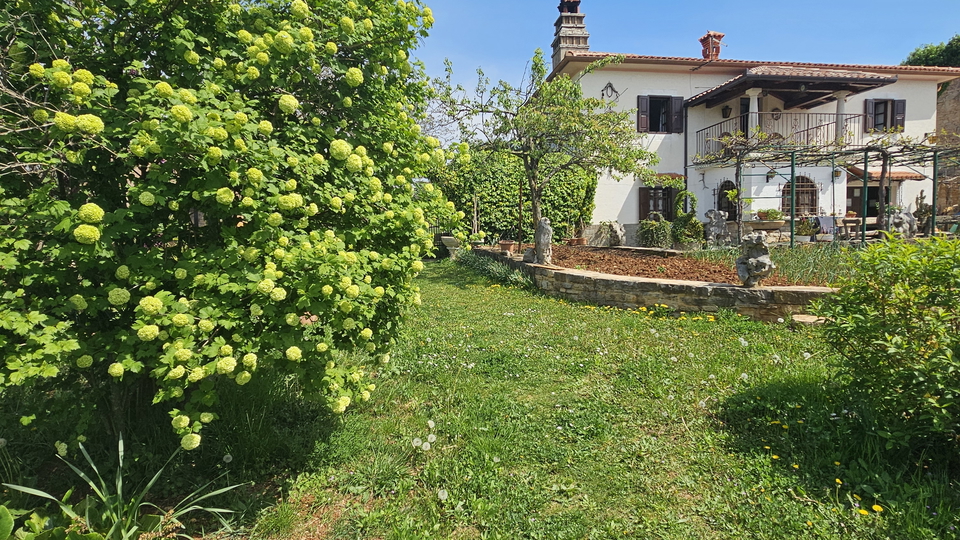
<point x="779" y="131"/>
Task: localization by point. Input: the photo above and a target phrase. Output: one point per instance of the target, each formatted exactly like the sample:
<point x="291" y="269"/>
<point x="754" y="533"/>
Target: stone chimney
<point x="571" y="33"/>
<point x="711" y="45"/>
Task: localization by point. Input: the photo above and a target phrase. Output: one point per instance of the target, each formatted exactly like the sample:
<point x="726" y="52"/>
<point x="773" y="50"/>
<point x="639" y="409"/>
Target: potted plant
<point x="769" y="214"/>
<point x="805" y="231"/>
<point x="477" y="239"/>
<point x="575" y="235"/>
<point x="506" y="244"/>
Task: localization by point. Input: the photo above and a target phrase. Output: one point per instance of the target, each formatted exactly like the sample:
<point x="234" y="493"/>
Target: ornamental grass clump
<point x="163" y="198"/>
<point x="896" y="326"/>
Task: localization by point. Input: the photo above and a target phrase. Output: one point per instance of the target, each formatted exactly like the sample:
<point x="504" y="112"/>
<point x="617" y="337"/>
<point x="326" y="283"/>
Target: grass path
<point x="509" y="415"/>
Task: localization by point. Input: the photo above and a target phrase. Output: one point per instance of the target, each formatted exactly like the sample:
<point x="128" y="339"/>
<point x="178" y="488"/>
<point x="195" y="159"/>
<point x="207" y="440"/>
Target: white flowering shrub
<point x="193" y="192"/>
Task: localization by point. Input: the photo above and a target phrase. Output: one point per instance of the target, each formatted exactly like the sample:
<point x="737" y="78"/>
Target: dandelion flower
<point x="863" y="512"/>
<point x="442" y="494"/>
<point x="877" y="508"/>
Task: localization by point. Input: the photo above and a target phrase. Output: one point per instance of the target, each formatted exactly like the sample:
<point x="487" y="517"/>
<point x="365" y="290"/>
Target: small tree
<point x="550" y="126"/>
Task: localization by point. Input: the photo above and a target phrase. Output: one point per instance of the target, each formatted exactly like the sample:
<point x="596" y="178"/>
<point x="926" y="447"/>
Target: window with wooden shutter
<point x="676" y="114"/>
<point x="659" y="114"/>
<point x="899" y="113"/>
<point x="869" y="122"/>
<point x="643" y="114"/>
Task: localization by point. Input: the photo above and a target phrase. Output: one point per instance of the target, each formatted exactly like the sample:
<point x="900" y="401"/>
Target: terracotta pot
<point x="581" y="241"/>
<point x="508" y="245"/>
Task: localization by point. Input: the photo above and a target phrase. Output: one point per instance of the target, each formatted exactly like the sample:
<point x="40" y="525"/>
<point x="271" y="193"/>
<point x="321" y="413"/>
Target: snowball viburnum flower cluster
<point x="354" y="77"/>
<point x="288" y="103"/>
<point x="86" y="234"/>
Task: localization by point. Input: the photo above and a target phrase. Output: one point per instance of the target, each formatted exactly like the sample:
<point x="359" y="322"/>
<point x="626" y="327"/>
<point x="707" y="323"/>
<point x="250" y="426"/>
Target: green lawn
<point x="541" y="419"/>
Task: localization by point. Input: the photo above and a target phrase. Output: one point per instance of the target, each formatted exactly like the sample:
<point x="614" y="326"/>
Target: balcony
<point x="779" y="133"/>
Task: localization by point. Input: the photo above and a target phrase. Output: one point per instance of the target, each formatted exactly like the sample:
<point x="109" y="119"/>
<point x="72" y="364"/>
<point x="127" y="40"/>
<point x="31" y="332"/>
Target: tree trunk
<point x="738" y="180"/>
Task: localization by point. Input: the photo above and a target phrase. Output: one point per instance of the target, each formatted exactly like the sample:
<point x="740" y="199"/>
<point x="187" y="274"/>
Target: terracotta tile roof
<point x="795" y="72"/>
<point x="589" y="56"/>
<point x="892" y="175"/>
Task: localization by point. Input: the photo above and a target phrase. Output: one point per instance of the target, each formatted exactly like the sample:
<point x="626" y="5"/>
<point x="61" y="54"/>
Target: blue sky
<point x="500" y="36"/>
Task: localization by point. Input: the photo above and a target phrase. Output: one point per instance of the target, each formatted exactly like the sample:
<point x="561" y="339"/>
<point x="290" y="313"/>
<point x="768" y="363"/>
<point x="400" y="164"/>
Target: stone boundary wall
<point x="759" y="303"/>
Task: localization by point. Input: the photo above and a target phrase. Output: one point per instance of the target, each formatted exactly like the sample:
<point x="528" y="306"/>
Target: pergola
<point x="899" y="151"/>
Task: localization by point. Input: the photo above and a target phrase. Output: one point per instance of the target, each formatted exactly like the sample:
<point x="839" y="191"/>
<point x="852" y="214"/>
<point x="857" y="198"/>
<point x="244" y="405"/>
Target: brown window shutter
<point x="899" y="113"/>
<point x="676" y="114"/>
<point x="643" y="114"/>
<point x="644" y="203"/>
<point x="868" y="115"/>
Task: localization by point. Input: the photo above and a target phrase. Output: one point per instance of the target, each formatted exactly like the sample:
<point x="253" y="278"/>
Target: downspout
<point x="686" y="147"/>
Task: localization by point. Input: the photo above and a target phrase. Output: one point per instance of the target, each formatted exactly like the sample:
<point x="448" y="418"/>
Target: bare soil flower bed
<point x="623" y="262"/>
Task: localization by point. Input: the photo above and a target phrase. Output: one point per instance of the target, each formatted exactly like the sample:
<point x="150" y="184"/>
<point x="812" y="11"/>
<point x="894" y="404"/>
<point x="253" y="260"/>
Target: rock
<point x="716" y="230"/>
<point x="904" y="223"/>
<point x="755" y="264"/>
<point x="529" y="255"/>
<point x="618" y="235"/>
<point x="544" y="243"/>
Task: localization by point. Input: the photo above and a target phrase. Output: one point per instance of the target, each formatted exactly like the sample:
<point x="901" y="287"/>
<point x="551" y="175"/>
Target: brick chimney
<point x="571" y="33"/>
<point x="711" y="45"/>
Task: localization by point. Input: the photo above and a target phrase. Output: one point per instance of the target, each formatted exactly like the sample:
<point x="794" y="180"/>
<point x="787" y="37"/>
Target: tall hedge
<point x="496" y="182"/>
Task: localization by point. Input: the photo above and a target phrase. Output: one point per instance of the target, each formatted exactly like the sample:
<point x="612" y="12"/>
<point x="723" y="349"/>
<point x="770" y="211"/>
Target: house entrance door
<point x="855" y="199"/>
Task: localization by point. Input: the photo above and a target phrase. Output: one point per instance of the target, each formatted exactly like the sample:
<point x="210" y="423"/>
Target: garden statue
<point x="544" y="239"/>
<point x="717" y="233"/>
<point x="618" y="235"/>
<point x="755" y="264"/>
<point x="904" y="224"/>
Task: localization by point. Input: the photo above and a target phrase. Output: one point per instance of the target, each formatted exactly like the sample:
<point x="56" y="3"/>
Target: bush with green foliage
<point x="686" y="228"/>
<point x="896" y="325"/>
<point x="655" y="232"/>
<point x="495" y="270"/>
<point x="193" y="192"/>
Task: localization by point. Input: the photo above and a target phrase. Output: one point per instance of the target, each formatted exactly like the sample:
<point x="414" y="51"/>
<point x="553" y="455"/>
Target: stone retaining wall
<point x="759" y="303"/>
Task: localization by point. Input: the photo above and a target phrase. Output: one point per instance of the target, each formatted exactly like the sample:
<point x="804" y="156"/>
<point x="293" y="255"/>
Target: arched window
<point x="808" y="197"/>
<point x="724" y="203"/>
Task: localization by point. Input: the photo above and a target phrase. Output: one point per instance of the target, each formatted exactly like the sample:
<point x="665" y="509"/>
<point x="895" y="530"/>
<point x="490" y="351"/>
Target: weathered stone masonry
<point x="760" y="303"/>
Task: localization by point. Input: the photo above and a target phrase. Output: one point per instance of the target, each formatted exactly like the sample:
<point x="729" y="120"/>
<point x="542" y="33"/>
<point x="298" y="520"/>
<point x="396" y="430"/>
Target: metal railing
<point x="779" y="130"/>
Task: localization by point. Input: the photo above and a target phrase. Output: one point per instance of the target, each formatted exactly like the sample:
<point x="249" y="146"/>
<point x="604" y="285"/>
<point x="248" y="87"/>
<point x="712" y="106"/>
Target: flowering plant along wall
<point x="194" y="192"/>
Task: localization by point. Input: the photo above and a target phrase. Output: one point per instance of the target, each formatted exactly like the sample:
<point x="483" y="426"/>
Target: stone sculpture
<point x="904" y="224"/>
<point x="544" y="237"/>
<point x="755" y="264"/>
<point x="618" y="235"/>
<point x="716" y="229"/>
